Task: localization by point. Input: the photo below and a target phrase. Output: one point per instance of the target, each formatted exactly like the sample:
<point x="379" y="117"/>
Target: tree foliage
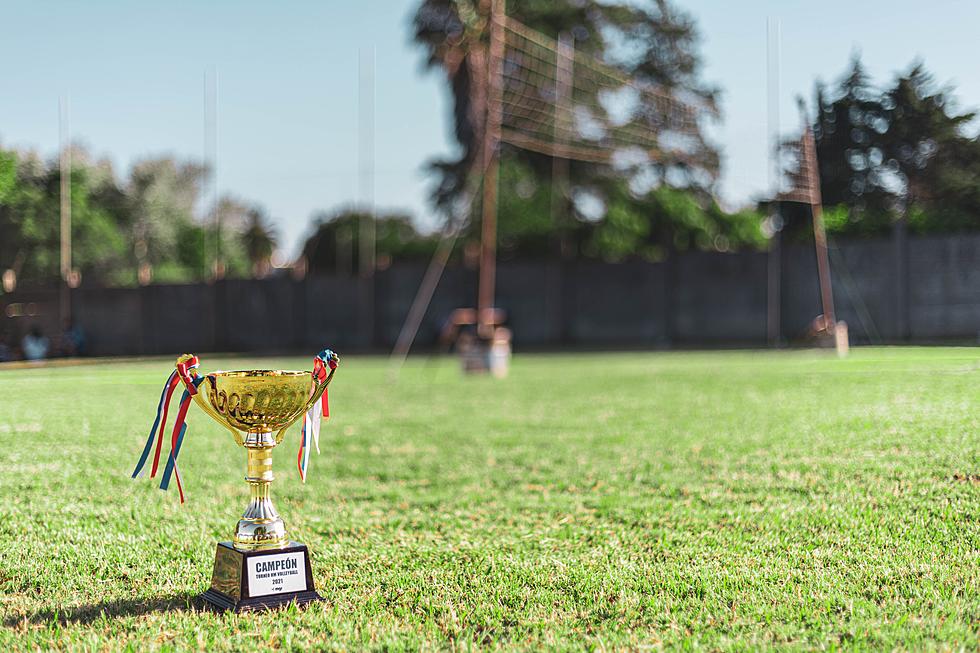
<point x="259" y="240"/>
<point x="669" y="218"/>
<point x="147" y="220"/>
<point x="334" y="245"/>
<point x="902" y="152"/>
<point x="848" y="133"/>
<point x="651" y="42"/>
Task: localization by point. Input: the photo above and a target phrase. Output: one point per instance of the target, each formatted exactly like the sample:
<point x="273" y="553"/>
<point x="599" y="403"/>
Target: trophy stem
<point x="260" y="527"/>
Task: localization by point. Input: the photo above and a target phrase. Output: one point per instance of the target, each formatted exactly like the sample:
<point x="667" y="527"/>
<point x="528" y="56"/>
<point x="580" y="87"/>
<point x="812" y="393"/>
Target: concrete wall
<point x="898" y="289"/>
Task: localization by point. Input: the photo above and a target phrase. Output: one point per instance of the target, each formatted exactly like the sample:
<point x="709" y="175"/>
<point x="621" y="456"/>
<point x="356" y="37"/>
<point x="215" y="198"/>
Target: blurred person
<point x="35" y="345"/>
<point x="6" y="351"/>
<point x="72" y="340"/>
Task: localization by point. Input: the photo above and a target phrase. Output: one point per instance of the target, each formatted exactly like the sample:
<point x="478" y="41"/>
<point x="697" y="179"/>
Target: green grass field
<point x="715" y="500"/>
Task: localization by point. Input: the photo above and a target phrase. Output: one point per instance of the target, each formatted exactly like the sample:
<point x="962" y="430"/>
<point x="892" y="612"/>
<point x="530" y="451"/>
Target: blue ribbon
<point x="153" y="429"/>
<point x="172" y="460"/>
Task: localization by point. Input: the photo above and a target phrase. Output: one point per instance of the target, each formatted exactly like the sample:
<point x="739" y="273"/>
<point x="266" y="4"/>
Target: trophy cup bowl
<point x="261" y="567"/>
<point x="259" y="404"/>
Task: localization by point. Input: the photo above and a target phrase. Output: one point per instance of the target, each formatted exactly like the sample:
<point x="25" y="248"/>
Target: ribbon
<point x="175" y="379"/>
<point x="177" y="438"/>
<point x="303" y="456"/>
<point x="186" y="372"/>
<point x="171" y="467"/>
<point x="325" y="360"/>
<point x="184" y="369"/>
<point x="161" y="408"/>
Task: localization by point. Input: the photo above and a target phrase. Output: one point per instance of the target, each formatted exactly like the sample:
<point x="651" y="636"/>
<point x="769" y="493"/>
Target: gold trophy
<point x="261" y="568"/>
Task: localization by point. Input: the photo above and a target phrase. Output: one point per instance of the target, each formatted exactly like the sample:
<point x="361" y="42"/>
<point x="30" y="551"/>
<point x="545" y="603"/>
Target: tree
<point x="223" y="233"/>
<point x="259" y="240"/>
<point x="170" y="243"/>
<point x="333" y="246"/>
<point x="162" y="194"/>
<point x="848" y="131"/>
<point x="8" y="173"/>
<point x="650" y="42"/>
<point x="670" y="218"/>
<point x="933" y="161"/>
<point x="902" y="153"/>
<point x="30" y="222"/>
<point x="142" y="229"/>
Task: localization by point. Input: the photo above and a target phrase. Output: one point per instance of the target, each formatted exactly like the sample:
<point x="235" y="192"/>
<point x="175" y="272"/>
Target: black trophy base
<point x="260" y="580"/>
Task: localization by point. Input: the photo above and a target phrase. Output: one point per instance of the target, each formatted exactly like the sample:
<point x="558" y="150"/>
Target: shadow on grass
<point x="89" y="613"/>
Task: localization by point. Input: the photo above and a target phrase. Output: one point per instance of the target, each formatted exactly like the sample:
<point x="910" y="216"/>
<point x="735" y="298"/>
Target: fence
<point x="896" y="289"/>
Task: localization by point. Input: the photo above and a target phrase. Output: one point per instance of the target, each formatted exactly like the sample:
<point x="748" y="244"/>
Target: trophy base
<point x="260" y="580"/>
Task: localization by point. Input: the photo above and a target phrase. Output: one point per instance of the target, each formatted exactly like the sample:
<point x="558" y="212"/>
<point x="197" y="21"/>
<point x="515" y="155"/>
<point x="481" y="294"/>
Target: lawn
<point x="709" y="500"/>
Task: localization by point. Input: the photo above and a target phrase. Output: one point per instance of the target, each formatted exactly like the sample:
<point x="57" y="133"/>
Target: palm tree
<point x="259" y="239"/>
<point x="661" y="42"/>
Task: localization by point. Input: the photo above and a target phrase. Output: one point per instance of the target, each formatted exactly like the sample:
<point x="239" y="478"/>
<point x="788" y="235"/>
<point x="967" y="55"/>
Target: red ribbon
<point x="319" y="370"/>
<point x="183" y="371"/>
<point x="178" y="423"/>
<point x="163" y="424"/>
<point x="299" y="455"/>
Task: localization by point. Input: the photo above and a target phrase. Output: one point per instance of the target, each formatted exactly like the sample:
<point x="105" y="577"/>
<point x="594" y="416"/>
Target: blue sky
<point x="288" y="85"/>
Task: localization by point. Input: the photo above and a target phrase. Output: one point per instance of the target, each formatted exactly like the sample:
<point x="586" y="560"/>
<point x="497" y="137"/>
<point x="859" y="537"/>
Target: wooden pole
<point x="491" y="154"/>
<point x="564" y="59"/>
<point x="774" y="269"/>
<point x="823" y="268"/>
<point x="819" y="233"/>
<point x="423" y="297"/>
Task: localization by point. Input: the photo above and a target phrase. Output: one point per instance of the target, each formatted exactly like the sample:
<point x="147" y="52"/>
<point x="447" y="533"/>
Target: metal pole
<point x="65" y="174"/>
<point x="210" y="186"/>
<point x="367" y="228"/>
<point x="219" y="266"/>
<point x="774" y="313"/>
<point x="365" y="121"/>
<point x="206" y="155"/>
<point x="491" y="141"/>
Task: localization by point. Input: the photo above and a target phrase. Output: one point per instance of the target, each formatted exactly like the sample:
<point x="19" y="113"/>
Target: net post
<point x="564" y="62"/>
<point x="819" y="233"/>
<point x="491" y="153"/>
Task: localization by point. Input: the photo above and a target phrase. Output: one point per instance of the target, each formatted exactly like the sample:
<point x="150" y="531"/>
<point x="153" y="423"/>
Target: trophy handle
<point x="182" y="371"/>
<point x="319" y="386"/>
